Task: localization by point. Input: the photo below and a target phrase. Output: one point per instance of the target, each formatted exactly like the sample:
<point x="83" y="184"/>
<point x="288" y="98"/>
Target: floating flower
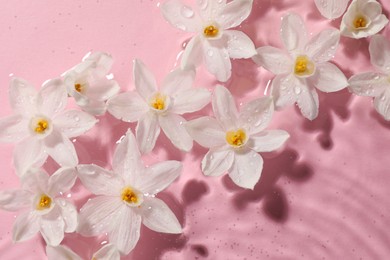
<point x="107" y="252"/>
<point x="236" y="138"/>
<point x="214" y="43"/>
<point x="126" y="197"/>
<point x="90" y="84"/>
<point x="305" y="68"/>
<point x="331" y="9"/>
<point x="362" y="19"/>
<point x="49" y="213"/>
<point x="376" y="84"/>
<point x="154" y="108"/>
<point x="41" y="126"/>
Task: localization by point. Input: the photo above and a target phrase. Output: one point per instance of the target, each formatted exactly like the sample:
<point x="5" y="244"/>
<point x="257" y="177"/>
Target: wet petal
<point x="329" y="78"/>
<point x="22" y="97"/>
<point x="283" y="90"/>
<point x="239" y="45"/>
<point x="52" y="227"/>
<point x="125" y="230"/>
<point x="61" y="253"/>
<point x="98" y="180"/>
<point x="268" y="141"/>
<point x="52" y="97"/>
<point x="370" y="84"/>
<point x="234" y="13"/>
<point x="157" y="216"/>
<point x="61" y="149"/>
<point x="273" y="59"/>
<point x="147" y="131"/>
<point x="191" y="100"/>
<point x="29" y="153"/>
<point x="13" y="129"/>
<point x="380" y="52"/>
<point x="102" y="89"/>
<point x="293" y="32"/>
<point x="173" y="127"/>
<point x="323" y="46"/>
<point x="177" y="81"/>
<point x="107" y="252"/>
<point x="193" y="54"/>
<point x="97" y="215"/>
<point x="331" y="9"/>
<point x="13" y="200"/>
<point x="159" y="176"/>
<point x="62" y="180"/>
<point x="69" y="215"/>
<point x="73" y="123"/>
<point x="181" y="16"/>
<point x="382" y="104"/>
<point x="307" y="101"/>
<point x="246" y="169"/>
<point x="217" y="60"/>
<point x="206" y="131"/>
<point x="129" y="106"/>
<point x="144" y="80"/>
<point x="224" y="107"/>
<point x="217" y="162"/>
<point x="25" y="227"/>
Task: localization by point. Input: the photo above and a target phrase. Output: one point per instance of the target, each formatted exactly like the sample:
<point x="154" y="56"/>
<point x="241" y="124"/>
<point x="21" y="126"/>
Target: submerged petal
<point x="22" y="96"/>
<point x="177" y="81"/>
<point x="382" y="104"/>
<point x="331" y="9"/>
<point x="107" y="252"/>
<point x="13" y="128"/>
<point x="293" y="32"/>
<point x="25" y="227"/>
<point x="380" y="52"/>
<point x="13" y="200"/>
<point x="52" y="97"/>
<point x="28" y="153"/>
<point x="370" y="84"/>
<point x="61" y="253"/>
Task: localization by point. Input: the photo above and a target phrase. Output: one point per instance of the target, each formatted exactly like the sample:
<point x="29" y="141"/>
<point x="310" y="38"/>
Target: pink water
<point x="324" y="195"/>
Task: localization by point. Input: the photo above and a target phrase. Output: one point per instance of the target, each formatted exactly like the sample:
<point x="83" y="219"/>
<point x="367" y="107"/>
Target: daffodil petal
<point x="323" y="46"/>
<point x="28" y="153"/>
<point x="97" y="215"/>
<point x="52" y="97"/>
<point x="192" y="54"/>
<point x="125" y="230"/>
<point x="234" y="13"/>
<point x="36" y="180"/>
<point x="73" y="123"/>
<point x="147" y="131"/>
<point x="190" y="100"/>
<point x="371" y="84"/>
<point x="217" y="60"/>
<point x="224" y="107"/>
<point x="13" y="128"/>
<point x="308" y="103"/>
<point x="217" y="162"/>
<point x="293" y="32"/>
<point x="282" y="90"/>
<point x="246" y="169"/>
<point x="268" y="141"/>
<point x="102" y="89"/>
<point x="331" y="9"/>
<point x="210" y="9"/>
<point x="159" y="176"/>
<point x="61" y="253"/>
<point x="22" y="96"/>
<point x="382" y="104"/>
<point x="52" y="227"/>
<point x="273" y="59"/>
<point x="329" y="78"/>
<point x="256" y="115"/>
<point x="107" y="252"/>
<point x="157" y="216"/>
<point x="380" y="52"/>
<point x="13" y="200"/>
<point x="144" y="80"/>
<point x="62" y="180"/>
<point x="127" y="159"/>
<point x="181" y="16"/>
<point x="61" y="149"/>
<point x="206" y="131"/>
<point x="69" y="214"/>
<point x="128" y="106"/>
<point x="173" y="127"/>
<point x="177" y="81"/>
<point x="98" y="180"/>
<point x="239" y="45"/>
<point x="25" y="227"/>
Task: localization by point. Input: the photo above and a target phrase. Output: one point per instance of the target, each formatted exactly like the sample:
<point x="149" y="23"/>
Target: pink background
<point x="324" y="195"/>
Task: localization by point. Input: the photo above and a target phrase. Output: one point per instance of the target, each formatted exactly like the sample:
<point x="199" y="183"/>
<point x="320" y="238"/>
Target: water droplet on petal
<point x="187" y="12"/>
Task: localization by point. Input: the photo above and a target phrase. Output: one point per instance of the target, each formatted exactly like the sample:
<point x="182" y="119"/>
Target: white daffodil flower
<point x="362" y="19"/>
<point x="214" y="43"/>
<point x="40" y="125"/>
<point x="236" y="138"/>
<point x="90" y="83"/>
<point x="49" y="213"/>
<point x="107" y="252"/>
<point x="376" y="84"/>
<point x="154" y="108"/>
<point x="305" y="68"/>
<point x="126" y="197"/>
<point x="331" y="9"/>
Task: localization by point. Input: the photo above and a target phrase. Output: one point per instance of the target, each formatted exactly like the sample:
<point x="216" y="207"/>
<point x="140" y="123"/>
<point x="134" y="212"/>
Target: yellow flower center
<point x="129" y="196"/>
<point x="158" y="102"/>
<point x="41" y="126"/>
<point x="303" y="66"/>
<point x="360" y="22"/>
<point x="78" y="87"/>
<point x="44" y="202"/>
<point x="236" y="138"/>
<point x="210" y="31"/>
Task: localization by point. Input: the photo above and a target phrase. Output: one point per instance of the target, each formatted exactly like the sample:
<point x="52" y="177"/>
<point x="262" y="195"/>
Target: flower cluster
<point x="125" y="195"/>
